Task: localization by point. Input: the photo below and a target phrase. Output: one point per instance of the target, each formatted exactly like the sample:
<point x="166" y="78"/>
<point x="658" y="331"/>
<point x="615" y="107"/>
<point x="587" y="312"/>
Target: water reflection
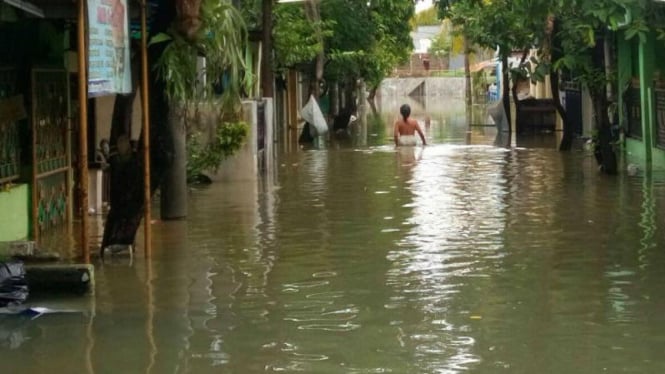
<point x="456" y="221"/>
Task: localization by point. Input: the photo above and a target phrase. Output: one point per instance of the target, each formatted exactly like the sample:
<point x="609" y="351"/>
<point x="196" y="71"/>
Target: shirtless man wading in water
<point x="406" y="128"/>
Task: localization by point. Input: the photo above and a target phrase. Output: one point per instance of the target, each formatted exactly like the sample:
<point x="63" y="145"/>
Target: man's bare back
<point x="406" y="127"/>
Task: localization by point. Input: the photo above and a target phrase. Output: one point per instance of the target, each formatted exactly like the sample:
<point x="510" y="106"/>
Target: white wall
<point x="587" y="113"/>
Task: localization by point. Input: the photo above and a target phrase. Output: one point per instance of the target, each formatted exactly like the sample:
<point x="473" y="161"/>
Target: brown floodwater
<point x="359" y="258"/>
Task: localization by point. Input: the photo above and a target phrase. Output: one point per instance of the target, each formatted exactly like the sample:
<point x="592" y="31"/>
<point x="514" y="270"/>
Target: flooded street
<point x="457" y="257"/>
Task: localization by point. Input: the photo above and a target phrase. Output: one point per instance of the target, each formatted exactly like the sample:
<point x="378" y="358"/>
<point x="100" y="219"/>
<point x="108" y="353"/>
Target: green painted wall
<point x="14" y="213"/>
<point x="657" y="159"/>
<point x="658" y="153"/>
<point x="646" y="62"/>
<point x="636" y="152"/>
<point x="628" y="67"/>
<point x="640" y="59"/>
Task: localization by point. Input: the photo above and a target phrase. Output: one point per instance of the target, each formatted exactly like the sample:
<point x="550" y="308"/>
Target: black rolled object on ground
<point x="13" y="285"/>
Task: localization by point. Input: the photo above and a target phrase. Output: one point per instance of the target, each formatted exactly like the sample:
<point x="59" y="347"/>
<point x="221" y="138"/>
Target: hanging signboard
<point x="108" y="48"/>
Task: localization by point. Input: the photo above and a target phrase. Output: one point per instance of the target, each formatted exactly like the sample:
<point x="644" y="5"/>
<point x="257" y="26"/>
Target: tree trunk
<point x="505" y="86"/>
<point x="372" y="95"/>
<point x="468" y="94"/>
<point x="604" y="152"/>
<point x="567" y="139"/>
<point x="125" y="177"/>
<point x="350" y="103"/>
<point x="188" y="19"/>
<point x="267" y="78"/>
<point x="173" y="197"/>
<point x="554" y="49"/>
<point x="319" y="73"/>
<point x="333" y="93"/>
<point x="126" y="211"/>
<point x="467" y="74"/>
<point x="161" y="143"/>
<point x="121" y="120"/>
<point x="313" y="15"/>
<point x="127" y="198"/>
<point x="171" y="145"/>
<point x="513" y="89"/>
<point x="372" y="106"/>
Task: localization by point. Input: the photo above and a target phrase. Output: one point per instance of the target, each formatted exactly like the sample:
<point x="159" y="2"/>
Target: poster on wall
<point x="108" y="48"/>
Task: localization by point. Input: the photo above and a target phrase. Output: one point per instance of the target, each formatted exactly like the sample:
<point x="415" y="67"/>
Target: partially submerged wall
<point x="446" y="87"/>
<point x="256" y="155"/>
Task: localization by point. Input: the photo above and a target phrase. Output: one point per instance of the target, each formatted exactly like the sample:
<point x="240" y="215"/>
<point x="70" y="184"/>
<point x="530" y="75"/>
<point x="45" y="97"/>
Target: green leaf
<point x="160" y="38"/>
<point x="630" y="33"/>
<point x="591" y="37"/>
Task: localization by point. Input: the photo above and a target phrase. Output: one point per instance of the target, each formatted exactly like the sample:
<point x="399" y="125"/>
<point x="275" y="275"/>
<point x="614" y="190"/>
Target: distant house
<point x="422" y="63"/>
<point x="422" y="38"/>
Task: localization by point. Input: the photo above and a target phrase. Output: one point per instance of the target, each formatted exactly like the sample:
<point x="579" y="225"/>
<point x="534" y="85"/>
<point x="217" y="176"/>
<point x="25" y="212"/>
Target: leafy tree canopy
<point x="361" y="39"/>
<point x="295" y="39"/>
<point x="428" y="17"/>
<point x="520" y="24"/>
<point x="222" y="39"/>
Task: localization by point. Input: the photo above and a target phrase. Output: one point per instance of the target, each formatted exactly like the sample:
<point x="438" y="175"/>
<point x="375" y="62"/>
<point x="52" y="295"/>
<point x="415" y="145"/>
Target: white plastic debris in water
<point x="312" y="114"/>
<point x="33" y="312"/>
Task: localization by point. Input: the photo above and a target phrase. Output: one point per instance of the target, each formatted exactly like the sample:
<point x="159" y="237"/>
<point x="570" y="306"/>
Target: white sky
<point x="422" y="5"/>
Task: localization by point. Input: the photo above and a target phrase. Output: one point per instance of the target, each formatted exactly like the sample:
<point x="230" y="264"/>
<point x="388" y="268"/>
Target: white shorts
<point x="408" y="140"/>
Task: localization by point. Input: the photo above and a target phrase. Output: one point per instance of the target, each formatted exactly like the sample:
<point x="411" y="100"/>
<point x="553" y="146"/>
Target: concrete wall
<point x="15" y="223"/>
<point x="587" y="113"/>
<point x="245" y="164"/>
<point x="452" y="87"/>
<point x="242" y="166"/>
<point x="416" y="67"/>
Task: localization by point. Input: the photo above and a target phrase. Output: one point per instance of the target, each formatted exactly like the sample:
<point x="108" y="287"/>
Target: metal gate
<point x="51" y="190"/>
<point x="660" y="116"/>
<point x="10" y="149"/>
<point x="573" y="104"/>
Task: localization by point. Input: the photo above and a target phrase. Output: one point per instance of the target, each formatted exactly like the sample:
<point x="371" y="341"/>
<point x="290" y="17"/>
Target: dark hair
<point x="405" y="110"/>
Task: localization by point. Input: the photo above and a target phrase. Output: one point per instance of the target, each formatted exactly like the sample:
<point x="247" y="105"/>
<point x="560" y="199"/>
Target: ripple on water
<point x="343" y="327"/>
<point x="326" y="315"/>
<point x="324" y="274"/>
<point x="304" y="285"/>
<point x="390" y="230"/>
<point x="354" y="370"/>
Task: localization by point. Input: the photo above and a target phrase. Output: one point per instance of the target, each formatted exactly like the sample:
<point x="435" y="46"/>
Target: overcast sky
<point x="422" y="5"/>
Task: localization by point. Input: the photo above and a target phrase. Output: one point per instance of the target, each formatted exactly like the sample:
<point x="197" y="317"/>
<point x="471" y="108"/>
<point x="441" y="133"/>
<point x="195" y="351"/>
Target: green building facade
<point x="641" y="85"/>
<point x="36" y="175"/>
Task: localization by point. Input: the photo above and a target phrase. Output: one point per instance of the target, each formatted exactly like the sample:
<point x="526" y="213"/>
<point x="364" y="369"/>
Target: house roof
<point x="487" y="64"/>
